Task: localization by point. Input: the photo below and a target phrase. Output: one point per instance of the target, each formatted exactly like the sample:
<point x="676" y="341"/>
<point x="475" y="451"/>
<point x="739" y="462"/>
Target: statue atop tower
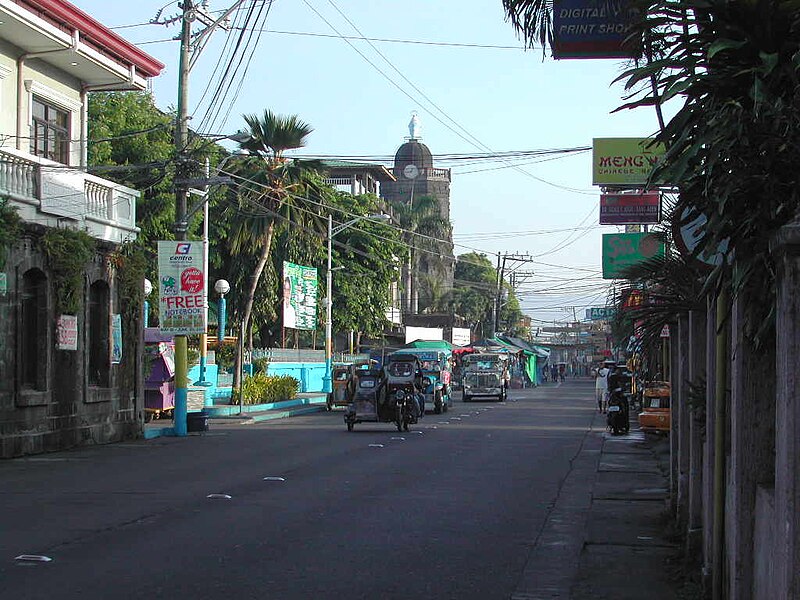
<point x="414" y="127"/>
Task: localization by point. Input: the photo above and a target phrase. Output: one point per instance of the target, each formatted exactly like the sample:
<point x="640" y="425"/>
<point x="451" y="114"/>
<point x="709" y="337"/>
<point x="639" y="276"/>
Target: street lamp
<point x="222" y="287"/>
<point x="332" y="231"/>
<point x="148" y="289"/>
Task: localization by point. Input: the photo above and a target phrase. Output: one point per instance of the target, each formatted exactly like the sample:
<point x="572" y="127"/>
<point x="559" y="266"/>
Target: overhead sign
<point x="600" y="313"/>
<point x="460" y="336"/>
<point x="623" y="250"/>
<point x="181" y="288"/>
<point x="630" y="209"/>
<point x="624" y="162"/>
<point x="594" y="29"/>
<point x="299" y="296"/>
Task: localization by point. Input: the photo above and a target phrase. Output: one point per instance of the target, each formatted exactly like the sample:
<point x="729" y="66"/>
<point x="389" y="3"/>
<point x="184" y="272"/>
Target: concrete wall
<point x="308" y="374"/>
<point x="65" y="410"/>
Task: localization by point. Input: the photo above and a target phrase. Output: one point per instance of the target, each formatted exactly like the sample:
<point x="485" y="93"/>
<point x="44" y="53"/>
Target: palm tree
<point x="269" y="190"/>
<point x="427" y="234"/>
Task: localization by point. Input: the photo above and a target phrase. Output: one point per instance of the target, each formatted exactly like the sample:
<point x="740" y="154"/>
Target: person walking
<point x="601" y="387"/>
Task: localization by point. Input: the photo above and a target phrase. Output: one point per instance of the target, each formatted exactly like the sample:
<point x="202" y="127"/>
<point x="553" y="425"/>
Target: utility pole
<point x="501" y="268"/>
<point x="181" y="194"/>
<point x="190" y="12"/>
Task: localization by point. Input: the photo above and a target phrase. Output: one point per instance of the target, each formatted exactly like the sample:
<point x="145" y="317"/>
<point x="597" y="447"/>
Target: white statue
<point x="414" y="127"/>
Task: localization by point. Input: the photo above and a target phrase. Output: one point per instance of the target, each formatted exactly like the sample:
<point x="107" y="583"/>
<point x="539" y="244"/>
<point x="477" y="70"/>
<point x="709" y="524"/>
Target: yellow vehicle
<point x="656" y="412"/>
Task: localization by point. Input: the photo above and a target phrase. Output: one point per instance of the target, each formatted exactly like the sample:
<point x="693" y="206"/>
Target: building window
<point x="33" y="342"/>
<point x="49" y="131"/>
<point x="98" y="334"/>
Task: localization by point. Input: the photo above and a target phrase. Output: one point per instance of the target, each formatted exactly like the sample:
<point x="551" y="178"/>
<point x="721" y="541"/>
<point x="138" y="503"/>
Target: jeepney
<point x="437" y="373"/>
<point x="485" y="374"/>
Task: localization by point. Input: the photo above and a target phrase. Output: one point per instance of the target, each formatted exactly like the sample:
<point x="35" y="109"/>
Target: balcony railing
<point x="429" y="174"/>
<point x="52" y="192"/>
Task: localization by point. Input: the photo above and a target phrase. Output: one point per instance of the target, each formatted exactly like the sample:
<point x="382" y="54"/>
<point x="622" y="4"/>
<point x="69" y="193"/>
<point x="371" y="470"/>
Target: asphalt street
<point x="451" y="509"/>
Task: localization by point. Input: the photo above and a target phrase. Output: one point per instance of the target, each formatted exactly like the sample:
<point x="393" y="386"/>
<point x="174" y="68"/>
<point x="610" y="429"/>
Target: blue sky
<point x="506" y="99"/>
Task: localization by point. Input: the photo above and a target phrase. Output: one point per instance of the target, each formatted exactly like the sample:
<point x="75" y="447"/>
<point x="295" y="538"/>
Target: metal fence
<point x="302" y="355"/>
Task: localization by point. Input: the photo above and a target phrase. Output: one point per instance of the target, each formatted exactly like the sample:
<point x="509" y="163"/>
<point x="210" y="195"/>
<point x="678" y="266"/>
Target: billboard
<point x="423" y="333"/>
<point x="623" y="250"/>
<point x="460" y="336"/>
<point x="624" y="162"/>
<point x="299" y="296"/>
<point x="630" y="209"/>
<point x="600" y="313"/>
<point x="181" y="288"/>
<point x="594" y="29"/>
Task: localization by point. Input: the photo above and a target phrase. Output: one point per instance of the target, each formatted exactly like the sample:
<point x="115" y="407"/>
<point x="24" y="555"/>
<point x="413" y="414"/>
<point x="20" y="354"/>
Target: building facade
<point x="429" y="276"/>
<point x="70" y="347"/>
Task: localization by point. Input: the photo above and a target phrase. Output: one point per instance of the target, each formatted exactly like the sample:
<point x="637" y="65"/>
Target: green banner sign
<point x="299" y="296"/>
<point x="600" y="313"/>
<point x="623" y="250"/>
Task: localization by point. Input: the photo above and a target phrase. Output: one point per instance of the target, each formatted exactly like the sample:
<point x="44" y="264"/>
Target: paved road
<point x="449" y="510"/>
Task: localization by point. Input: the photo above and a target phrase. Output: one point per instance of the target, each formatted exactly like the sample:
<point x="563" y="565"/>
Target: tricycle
<point x="390" y="395"/>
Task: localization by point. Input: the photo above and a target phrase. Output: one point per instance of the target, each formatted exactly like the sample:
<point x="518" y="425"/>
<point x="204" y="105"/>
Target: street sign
<point x="623" y="250"/>
<point x="630" y="209"/>
<point x="181" y="288"/>
<point x="624" y="162"/>
<point x="665" y="331"/>
<point x="592" y="29"/>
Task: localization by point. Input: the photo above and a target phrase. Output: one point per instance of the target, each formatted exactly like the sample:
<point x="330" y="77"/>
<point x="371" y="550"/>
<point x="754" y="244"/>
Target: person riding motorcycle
<point x="616" y="395"/>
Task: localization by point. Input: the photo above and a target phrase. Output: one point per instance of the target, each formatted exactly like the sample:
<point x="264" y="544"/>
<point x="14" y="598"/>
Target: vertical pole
<point x="221" y="318"/>
<point x="181" y="136"/>
<point x="239" y="354"/>
<point x="326" y="380"/>
<point x="204" y="336"/>
<point x="721" y="381"/>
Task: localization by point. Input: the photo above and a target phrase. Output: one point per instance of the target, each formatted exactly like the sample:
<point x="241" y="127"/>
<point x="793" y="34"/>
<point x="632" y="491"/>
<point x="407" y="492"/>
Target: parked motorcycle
<point x="618" y="410"/>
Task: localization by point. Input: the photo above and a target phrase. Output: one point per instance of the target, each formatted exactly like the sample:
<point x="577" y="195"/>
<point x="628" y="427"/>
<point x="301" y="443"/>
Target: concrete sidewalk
<point x="605" y="534"/>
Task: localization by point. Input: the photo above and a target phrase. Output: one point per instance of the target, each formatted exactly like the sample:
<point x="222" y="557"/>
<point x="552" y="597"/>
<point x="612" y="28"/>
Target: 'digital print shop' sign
<point x="181" y="288"/>
<point x="594" y="29"/>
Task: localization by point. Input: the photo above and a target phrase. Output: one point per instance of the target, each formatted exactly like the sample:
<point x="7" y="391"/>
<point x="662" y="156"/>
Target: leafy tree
<point x="425" y="227"/>
<point x="474" y="290"/>
<point x="369" y="254"/>
<point x="127" y="130"/>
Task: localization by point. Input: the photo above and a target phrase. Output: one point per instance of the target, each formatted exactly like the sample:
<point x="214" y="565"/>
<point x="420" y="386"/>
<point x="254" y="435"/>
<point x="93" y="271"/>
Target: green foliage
<point x="369" y="254"/>
<point x="192" y="356"/>
<point x="130" y="265"/>
<point x="263" y="389"/>
<point x="126" y="129"/>
<point x="225" y="355"/>
<point x="261" y="365"/>
<point x="10" y="228"/>
<point x="68" y="252"/>
<point x="475" y="290"/>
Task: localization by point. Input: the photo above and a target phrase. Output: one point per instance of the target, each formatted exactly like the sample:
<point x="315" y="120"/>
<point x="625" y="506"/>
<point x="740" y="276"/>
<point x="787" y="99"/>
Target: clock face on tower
<point x="410" y="171"/>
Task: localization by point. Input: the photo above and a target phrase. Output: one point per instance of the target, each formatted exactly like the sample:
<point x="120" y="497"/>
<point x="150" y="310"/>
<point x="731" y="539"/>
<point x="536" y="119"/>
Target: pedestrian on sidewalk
<point x="601" y="387"/>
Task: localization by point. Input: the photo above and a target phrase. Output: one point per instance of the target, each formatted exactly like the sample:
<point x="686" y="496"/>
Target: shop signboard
<point x="600" y="313"/>
<point x="594" y="29"/>
<point x="299" y="296"/>
<point x="181" y="288"/>
<point x="460" y="336"/>
<point x="630" y="209"/>
<point x="623" y="250"/>
<point x="116" y="339"/>
<point x="624" y="162"/>
<point x="67" y="332"/>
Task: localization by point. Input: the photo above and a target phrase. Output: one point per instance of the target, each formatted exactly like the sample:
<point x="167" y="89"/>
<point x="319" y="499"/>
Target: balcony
<point x="50" y="193"/>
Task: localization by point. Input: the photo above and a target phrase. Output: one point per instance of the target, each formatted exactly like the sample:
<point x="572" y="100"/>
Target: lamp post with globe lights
<point x="222" y="287"/>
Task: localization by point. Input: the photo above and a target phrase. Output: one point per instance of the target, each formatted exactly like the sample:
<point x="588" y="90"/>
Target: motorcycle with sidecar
<point x="390" y="395"/>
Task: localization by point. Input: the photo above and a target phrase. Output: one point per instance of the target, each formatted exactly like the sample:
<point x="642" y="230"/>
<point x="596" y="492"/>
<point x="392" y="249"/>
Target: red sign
<point x="191" y="280"/>
<point x="630" y="209"/>
<point x="634" y="299"/>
